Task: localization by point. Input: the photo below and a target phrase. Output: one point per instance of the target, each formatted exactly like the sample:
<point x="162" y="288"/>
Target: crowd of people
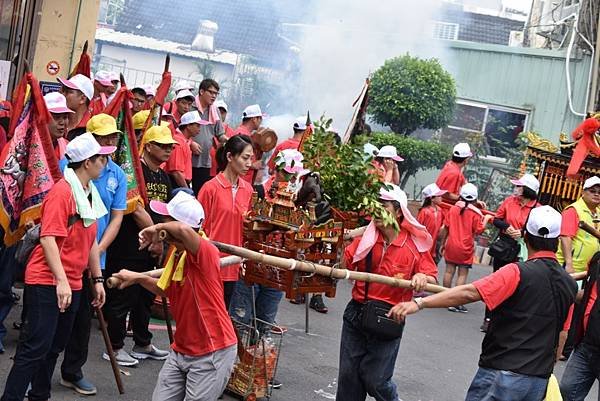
<point x="200" y="175"/>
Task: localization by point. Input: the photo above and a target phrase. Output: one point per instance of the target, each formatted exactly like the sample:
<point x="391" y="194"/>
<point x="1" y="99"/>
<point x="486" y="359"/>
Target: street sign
<point x="48" y="86"/>
<point x="52" y="67"/>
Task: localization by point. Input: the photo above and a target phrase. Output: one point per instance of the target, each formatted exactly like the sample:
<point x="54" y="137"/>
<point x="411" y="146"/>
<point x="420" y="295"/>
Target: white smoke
<point x="350" y="40"/>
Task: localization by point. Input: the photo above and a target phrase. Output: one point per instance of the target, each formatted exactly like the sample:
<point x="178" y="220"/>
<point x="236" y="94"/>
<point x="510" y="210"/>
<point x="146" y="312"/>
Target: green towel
<point x="88" y="213"/>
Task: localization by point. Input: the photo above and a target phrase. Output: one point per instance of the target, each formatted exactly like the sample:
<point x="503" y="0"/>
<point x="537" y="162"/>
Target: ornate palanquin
<point x="276" y="227"/>
<point x="550" y="163"/>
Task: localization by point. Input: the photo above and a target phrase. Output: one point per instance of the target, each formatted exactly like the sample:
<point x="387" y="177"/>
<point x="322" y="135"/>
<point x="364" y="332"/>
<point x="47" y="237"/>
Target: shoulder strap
<point x="368" y="266"/>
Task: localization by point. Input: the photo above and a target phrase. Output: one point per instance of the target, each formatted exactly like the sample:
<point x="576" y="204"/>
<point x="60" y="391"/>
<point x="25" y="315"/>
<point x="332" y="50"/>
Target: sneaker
<point x="122" y="357"/>
<point x="82" y="386"/>
<point x="459" y="308"/>
<point x="277" y="329"/>
<point x="316" y="303"/>
<point x="149" y="352"/>
<point x="274" y="383"/>
<point x="300" y="299"/>
<point x="485" y="325"/>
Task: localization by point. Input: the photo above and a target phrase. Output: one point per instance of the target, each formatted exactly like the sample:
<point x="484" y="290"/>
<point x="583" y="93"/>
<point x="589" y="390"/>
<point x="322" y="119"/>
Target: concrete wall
<point x="59" y="29"/>
<point x="153" y="62"/>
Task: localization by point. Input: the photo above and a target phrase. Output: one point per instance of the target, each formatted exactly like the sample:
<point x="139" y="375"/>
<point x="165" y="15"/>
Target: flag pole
<point x="153" y="107"/>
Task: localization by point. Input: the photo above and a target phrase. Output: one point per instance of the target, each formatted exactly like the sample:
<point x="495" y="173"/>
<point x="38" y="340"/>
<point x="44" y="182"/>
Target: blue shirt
<point x="112" y="187"/>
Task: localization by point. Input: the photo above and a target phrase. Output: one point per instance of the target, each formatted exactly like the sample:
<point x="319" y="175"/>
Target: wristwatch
<point x="419" y="302"/>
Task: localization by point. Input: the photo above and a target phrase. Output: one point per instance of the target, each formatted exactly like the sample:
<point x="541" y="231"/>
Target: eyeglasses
<point x="213" y="92"/>
<point x="163" y="146"/>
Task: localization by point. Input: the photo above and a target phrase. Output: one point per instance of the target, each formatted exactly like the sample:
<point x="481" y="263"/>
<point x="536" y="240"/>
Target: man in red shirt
<point x="103" y="88"/>
<point x="451" y="177"/>
<point x="179" y="165"/>
<point x="183" y="104"/>
<point x="204" y="349"/>
<point x="299" y="128"/>
<point x="529" y="303"/>
<point x="79" y="92"/>
<point x="252" y="117"/>
<point x="366" y="359"/>
<point x="584" y="364"/>
<point x="229" y="132"/>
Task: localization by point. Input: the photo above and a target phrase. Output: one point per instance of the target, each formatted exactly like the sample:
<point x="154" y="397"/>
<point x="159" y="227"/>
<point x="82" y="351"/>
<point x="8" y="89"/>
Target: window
<point x="500" y="125"/>
<point x="445" y="30"/>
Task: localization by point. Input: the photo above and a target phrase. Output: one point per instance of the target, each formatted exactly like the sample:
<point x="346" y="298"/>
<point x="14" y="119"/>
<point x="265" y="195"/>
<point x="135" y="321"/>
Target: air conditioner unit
<point x="516" y="39"/>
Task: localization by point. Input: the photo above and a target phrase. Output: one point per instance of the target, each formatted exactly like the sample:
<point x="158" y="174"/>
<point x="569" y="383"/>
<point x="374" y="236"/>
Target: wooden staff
<point x="107" y="343"/>
<point x="113" y="282"/>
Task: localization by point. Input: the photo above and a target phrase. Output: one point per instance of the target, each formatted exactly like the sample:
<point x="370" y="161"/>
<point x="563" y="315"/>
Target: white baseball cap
<point x="252" y="111"/>
<point x="85" y="146"/>
<point x="370" y="150"/>
<point x="181" y="85"/>
<point x="149" y="89"/>
<point x="590" y="182"/>
<point x="528" y="181"/>
<point x="432" y="190"/>
<point x="544" y="222"/>
<point x="462" y="150"/>
<point x="104" y="77"/>
<point x="183" y="207"/>
<point x="81" y="83"/>
<point x="183" y="94"/>
<point x="219" y="104"/>
<point x="192" y="117"/>
<point x="468" y="192"/>
<point x="114" y="76"/>
<point x="56" y="103"/>
<point x="389" y="152"/>
<point x="300" y="123"/>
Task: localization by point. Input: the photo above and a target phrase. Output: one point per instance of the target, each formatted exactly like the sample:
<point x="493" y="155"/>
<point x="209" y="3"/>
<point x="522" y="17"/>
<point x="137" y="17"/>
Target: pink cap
<point x="81" y="83"/>
<point x="57" y="103"/>
<point x="104" y="77"/>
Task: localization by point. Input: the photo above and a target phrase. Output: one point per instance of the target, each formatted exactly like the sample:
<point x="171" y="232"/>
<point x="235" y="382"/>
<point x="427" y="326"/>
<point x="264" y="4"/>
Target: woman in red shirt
<point x="463" y="221"/>
<point x="226" y="198"/>
<point x="54" y="271"/>
<point x="430" y="214"/>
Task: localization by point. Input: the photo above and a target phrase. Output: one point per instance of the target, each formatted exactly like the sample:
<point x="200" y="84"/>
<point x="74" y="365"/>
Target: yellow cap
<point x="139" y="119"/>
<point x="102" y="124"/>
<point x="158" y="134"/>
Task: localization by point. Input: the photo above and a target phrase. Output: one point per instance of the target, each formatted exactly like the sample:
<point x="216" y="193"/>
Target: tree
<point x="408" y="93"/>
<point x="417" y="154"/>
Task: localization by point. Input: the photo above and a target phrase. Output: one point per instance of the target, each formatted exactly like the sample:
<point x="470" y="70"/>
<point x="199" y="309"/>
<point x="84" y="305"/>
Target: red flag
<point x="163" y="88"/>
<point x="29" y="165"/>
<point x="587" y="143"/>
<point x="307" y="132"/>
<point x="83" y="66"/>
<point x="127" y="155"/>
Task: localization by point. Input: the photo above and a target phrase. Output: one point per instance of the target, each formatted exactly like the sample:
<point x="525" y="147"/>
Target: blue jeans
<point x="8" y="265"/>
<point x="582" y="369"/>
<point x="44" y="335"/>
<point x="266" y="300"/>
<point x="503" y="385"/>
<point x="366" y="362"/>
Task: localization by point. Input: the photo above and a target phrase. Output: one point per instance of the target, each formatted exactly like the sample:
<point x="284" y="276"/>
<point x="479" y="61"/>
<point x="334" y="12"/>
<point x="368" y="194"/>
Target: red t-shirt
<point x="203" y="324"/>
<point x="181" y="157"/>
<point x="401" y="260"/>
<point x="74" y="242"/>
<point x="451" y="178"/>
<point x="290" y="143"/>
<point x="243" y="130"/>
<point x="570" y="222"/>
<point x="588" y="309"/>
<point x="432" y="218"/>
<point x="224" y="214"/>
<point x="462" y="229"/>
<point x="513" y="213"/>
<point x="97" y="105"/>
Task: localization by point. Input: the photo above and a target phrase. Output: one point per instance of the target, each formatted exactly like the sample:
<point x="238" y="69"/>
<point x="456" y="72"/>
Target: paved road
<point x="437" y="359"/>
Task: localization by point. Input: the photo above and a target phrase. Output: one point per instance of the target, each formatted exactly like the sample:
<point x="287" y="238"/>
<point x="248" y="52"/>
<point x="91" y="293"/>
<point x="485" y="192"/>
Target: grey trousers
<point x="193" y="378"/>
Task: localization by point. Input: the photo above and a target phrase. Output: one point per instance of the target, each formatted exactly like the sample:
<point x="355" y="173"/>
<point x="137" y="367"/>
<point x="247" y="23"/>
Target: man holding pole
<point x="529" y="303"/>
<point x="367" y="357"/>
<point x="204" y="349"/>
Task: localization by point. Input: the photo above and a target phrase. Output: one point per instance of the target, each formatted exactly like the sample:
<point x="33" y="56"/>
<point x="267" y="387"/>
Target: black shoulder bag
<point x="374" y="319"/>
<point x="506" y="248"/>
